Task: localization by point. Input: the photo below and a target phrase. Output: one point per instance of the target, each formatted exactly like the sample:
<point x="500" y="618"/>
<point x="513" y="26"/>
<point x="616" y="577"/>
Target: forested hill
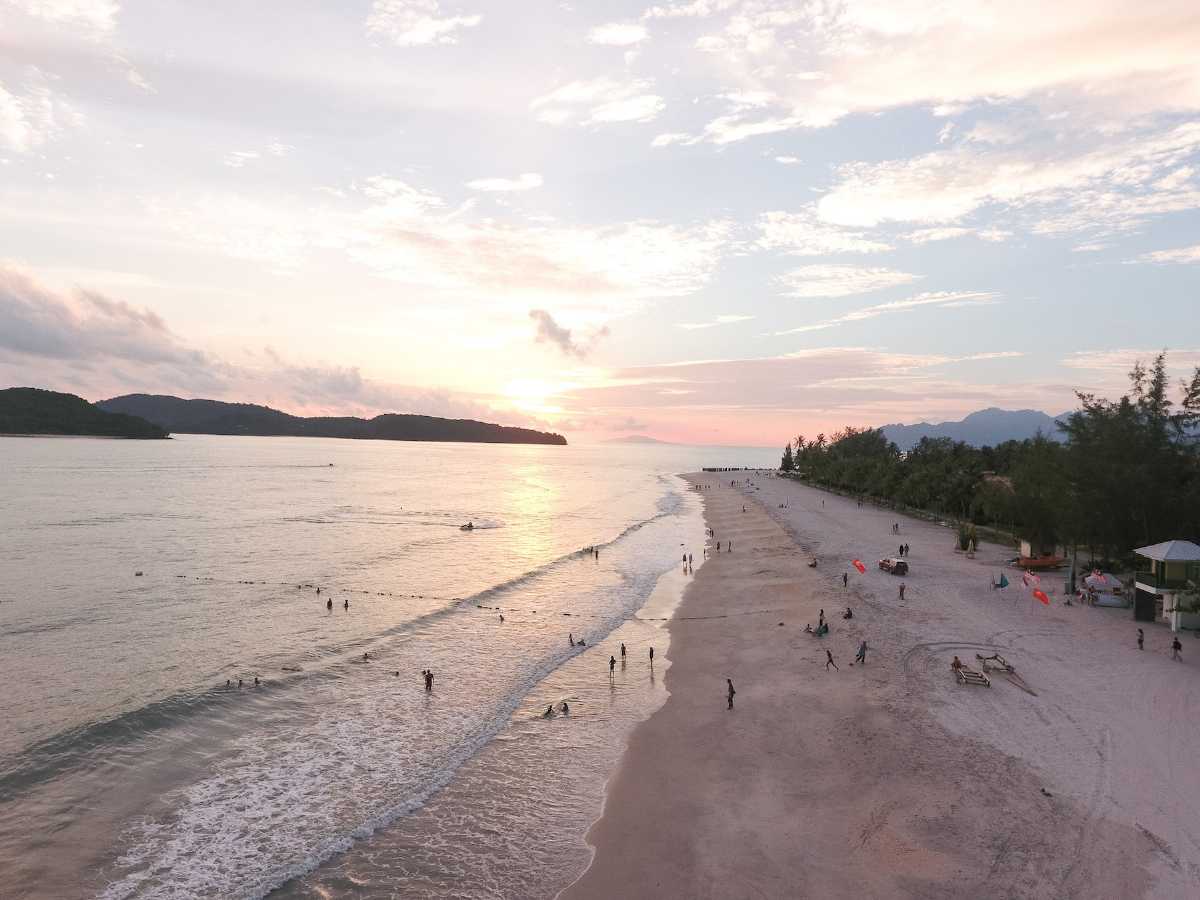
<point x="215" y="417"/>
<point x="35" y="411"/>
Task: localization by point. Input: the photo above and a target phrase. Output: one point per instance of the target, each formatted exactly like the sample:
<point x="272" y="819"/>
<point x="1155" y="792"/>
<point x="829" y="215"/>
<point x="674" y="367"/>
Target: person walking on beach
<point x="829" y="661"/>
<point x="729" y="692"/>
<point x="1175" y="648"/>
<point x="729" y="546"/>
<point x="652" y="657"/>
<point x="861" y="656"/>
<point x="1141" y="639"/>
<point x="845" y="580"/>
<point x="622" y="654"/>
<point x="612" y="667"/>
<point x="902" y="592"/>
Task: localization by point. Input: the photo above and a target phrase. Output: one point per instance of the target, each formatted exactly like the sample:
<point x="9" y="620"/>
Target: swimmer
<point x="565" y="709"/>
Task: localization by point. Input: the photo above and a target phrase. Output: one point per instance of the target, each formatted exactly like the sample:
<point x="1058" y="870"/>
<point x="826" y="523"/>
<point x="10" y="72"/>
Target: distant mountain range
<point x="34" y="411"/>
<point x="637" y="439"/>
<point x="985" y="428"/>
<point x="215" y="417"/>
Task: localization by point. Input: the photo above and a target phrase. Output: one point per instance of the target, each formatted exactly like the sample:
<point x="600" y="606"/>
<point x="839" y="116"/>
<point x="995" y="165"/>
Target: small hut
<point x="1167" y="588"/>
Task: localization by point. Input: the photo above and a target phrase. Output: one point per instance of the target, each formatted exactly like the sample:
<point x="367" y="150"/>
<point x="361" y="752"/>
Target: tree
<point x="787" y="464"/>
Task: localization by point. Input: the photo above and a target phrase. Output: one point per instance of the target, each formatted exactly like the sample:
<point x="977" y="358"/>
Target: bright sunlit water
<point x="129" y="769"/>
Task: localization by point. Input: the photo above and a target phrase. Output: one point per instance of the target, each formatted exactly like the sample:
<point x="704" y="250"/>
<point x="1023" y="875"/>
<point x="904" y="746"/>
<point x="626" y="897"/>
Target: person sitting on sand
<point x="808" y="628"/>
<point x="848" y="614"/>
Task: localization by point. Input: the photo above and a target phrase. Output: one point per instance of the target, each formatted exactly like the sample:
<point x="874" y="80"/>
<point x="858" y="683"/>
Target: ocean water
<point x="137" y="578"/>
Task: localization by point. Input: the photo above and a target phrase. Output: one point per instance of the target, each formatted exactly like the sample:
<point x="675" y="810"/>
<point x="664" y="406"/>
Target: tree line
<point x="1126" y="474"/>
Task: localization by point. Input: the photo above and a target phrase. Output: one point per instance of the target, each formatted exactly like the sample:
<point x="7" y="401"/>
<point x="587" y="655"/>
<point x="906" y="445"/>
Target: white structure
<point x="1174" y="573"/>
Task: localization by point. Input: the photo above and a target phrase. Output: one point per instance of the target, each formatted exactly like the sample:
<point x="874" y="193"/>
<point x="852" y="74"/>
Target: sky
<point x="709" y="221"/>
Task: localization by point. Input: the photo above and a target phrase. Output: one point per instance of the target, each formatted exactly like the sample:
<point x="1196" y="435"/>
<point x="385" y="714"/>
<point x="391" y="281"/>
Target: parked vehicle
<point x="894" y="566"/>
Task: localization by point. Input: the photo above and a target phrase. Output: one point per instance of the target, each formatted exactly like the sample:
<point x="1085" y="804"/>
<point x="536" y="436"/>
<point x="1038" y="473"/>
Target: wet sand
<point x="892" y="779"/>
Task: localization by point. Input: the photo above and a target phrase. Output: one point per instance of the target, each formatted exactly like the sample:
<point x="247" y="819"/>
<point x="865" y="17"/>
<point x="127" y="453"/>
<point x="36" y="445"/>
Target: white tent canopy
<point x="1171" y="551"/>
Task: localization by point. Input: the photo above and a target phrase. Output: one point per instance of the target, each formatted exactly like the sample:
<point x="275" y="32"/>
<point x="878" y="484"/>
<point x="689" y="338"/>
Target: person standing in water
<point x="346" y="604"/>
<point x="652" y="657"/>
<point x="612" y="667"/>
<point x="729" y="692"/>
<point x="329" y="604"/>
<point x="622" y="652"/>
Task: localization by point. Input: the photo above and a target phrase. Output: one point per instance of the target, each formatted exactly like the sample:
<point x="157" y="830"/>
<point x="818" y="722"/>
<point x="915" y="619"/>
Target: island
<point x="33" y="411"/>
<point x="182" y="416"/>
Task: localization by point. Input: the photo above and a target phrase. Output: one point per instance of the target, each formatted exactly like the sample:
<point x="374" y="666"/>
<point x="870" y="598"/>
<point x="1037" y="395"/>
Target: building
<point x="1172" y="578"/>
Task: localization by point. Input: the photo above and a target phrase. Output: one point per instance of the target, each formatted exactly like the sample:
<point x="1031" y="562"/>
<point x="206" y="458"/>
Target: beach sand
<point x="891" y="779"/>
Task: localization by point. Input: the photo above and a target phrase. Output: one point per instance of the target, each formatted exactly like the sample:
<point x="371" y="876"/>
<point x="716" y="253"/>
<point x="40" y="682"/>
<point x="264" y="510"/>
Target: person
<point x="1141" y="639"/>
<point x="428" y="673"/>
<point x="346" y="604"/>
<point x="729" y="546"/>
<point x="239" y="684"/>
<point x="571" y="638"/>
<point x="690" y="563"/>
<point x="256" y="681"/>
<point x="812" y="563"/>
<point x="612" y="666"/>
<point x="808" y="627"/>
<point x="622" y="652"/>
<point x="597" y="554"/>
<point x="501" y="618"/>
<point x="901" y="549"/>
<point x="652" y="657"/>
<point x="329" y="604"/>
<point x="821" y="618"/>
<point x="902" y="590"/>
<point x="861" y="656"/>
<point x="565" y="709"/>
<point x="829" y="661"/>
<point x="549" y="713"/>
<point x="957" y="664"/>
<point x="365" y="657"/>
<point x="718" y="546"/>
<point x="1175" y="648"/>
<point x="845" y="580"/>
<point x="848" y="614"/>
<point x="907" y="550"/>
<point x="581" y="642"/>
<point x="685" y="560"/>
<point x="228" y="683"/>
<point x="743" y="507"/>
<point x="729" y="692"/>
<point x="318" y="592"/>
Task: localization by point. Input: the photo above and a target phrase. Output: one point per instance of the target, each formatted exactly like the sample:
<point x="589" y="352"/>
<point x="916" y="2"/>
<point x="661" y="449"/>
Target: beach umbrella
<point x="1041" y="595"/>
<point x="858" y="565"/>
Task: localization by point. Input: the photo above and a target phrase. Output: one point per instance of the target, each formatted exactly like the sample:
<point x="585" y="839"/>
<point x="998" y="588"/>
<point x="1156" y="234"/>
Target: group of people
<point x="1176" y="646"/>
<point x="904" y="549"/>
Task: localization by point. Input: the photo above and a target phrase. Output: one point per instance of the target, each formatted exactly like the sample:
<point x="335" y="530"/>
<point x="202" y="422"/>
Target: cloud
<point x="85" y="327"/>
<point x="96" y="18"/>
<point x="599" y="101"/>
<point x="414" y="23"/>
<point x="524" y="182"/>
<point x="1177" y="255"/>
<point x="876" y="55"/>
<point x="935" y="299"/>
<point x="719" y="320"/>
<point x="808" y="282"/>
<point x="98" y="347"/>
<point x="550" y="332"/>
<point x="618" y="34"/>
<point x="803" y="234"/>
<point x="35" y="115"/>
<point x="928" y="235"/>
<point x="788" y="160"/>
<point x="675" y="137"/>
<point x="1076" y="187"/>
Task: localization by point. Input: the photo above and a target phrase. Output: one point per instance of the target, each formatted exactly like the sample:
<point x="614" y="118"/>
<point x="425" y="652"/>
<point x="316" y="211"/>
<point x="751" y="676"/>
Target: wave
<point x="76" y="747"/>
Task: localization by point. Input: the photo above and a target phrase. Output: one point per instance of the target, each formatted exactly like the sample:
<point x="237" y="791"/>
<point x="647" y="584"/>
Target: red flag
<point x="1041" y="595"/>
<point x="858" y="565"/>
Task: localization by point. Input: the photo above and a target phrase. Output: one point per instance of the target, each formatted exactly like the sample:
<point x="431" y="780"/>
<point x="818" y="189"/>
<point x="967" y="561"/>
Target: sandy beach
<point x="891" y="779"/>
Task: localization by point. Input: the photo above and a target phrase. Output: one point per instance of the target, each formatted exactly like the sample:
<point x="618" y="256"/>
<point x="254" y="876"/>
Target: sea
<point x="211" y="658"/>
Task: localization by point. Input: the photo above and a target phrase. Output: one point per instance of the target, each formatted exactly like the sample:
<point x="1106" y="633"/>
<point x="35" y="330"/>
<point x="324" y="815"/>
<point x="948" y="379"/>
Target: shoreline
<point x="890" y="779"/>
